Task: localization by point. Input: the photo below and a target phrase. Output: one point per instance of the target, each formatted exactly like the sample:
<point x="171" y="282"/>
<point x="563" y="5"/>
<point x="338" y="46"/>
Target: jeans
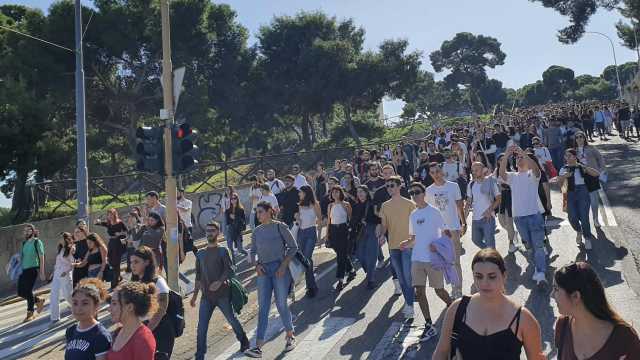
<point x="531" y="229"/>
<point x="204" y="316"/>
<point x="483" y="233"/>
<point x="307" y="239"/>
<point x="267" y="284"/>
<point x="578" y="202"/>
<point x="26" y="281"/>
<point x="557" y="156"/>
<point x="401" y="262"/>
<point x="500" y="150"/>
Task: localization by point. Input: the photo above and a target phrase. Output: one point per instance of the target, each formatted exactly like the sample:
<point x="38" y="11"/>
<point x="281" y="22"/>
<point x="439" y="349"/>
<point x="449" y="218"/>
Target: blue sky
<point x="527" y="30"/>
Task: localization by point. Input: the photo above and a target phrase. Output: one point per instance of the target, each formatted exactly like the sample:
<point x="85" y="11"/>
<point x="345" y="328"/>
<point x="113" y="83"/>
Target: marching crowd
<point x="417" y="197"/>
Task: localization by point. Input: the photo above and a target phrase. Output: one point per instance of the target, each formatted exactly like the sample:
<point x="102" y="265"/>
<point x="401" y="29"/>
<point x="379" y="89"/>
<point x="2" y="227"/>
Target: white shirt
<point x="271" y="199"/>
<point x="525" y="200"/>
<point x="426" y="225"/>
<point x="577" y="176"/>
<point x="256" y="196"/>
<point x="276" y="186"/>
<point x="338" y="214"/>
<point x="63" y="264"/>
<point x="444" y="199"/>
<point x="481" y="202"/>
<point x="452" y="170"/>
<point x="300" y="181"/>
<point x="161" y="286"/>
<point x="185" y="214"/>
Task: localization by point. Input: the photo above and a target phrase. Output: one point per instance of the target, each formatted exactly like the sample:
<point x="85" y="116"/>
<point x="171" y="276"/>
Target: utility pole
<point x="170" y="181"/>
<point x="82" y="177"/>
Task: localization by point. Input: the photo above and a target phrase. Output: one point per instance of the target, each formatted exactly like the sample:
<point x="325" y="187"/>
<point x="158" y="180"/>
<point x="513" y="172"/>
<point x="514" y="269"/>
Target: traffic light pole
<point x="170" y="180"/>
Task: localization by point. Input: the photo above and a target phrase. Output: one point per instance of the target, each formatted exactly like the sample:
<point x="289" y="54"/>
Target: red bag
<point x="551" y="170"/>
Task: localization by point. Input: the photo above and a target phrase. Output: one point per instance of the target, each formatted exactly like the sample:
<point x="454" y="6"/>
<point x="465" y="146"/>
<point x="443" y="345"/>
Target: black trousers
<point x="26" y="281"/>
<point x="342" y="246"/>
<point x="165" y="338"/>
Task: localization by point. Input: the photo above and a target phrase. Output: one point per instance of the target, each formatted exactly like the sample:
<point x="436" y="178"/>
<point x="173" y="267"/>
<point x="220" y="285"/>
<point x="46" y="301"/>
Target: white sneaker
<point x="579" y="238"/>
<point x="408" y="311"/>
<point x="398" y="290"/>
<point x="380" y="265"/>
<point x="539" y="277"/>
<point x="587" y="243"/>
<point x="512" y="248"/>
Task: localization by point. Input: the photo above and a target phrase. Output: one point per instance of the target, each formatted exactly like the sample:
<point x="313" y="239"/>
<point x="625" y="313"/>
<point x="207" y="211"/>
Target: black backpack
<point x="175" y="312"/>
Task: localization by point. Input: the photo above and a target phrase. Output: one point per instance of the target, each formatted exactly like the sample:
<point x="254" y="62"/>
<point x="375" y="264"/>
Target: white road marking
<point x="609" y="218"/>
<point x="275" y="325"/>
<point x="324" y="336"/>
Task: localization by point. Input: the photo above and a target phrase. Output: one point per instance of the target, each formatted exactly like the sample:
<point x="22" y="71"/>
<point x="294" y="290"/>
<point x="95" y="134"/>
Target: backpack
<point x="175" y="313"/>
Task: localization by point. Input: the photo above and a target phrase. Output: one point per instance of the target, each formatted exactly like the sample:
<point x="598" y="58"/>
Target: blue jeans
<point x="307" y="239"/>
<point x="401" y="262"/>
<point x="483" y="233"/>
<point x="531" y="229"/>
<point x="204" y="315"/>
<point x="500" y="150"/>
<point x="269" y="284"/>
<point x="578" y="204"/>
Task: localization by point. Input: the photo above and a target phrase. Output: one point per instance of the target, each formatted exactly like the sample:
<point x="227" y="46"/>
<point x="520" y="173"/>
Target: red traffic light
<point x="183" y="131"/>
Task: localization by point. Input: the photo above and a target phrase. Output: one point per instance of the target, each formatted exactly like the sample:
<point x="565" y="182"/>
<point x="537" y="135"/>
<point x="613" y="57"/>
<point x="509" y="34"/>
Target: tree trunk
<point x="313" y="132"/>
<point x="306" y="140"/>
<point x="325" y="133"/>
<point x="352" y="129"/>
<point x="20" y="203"/>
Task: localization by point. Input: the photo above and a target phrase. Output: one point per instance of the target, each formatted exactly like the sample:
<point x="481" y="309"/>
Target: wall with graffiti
<point x="208" y="206"/>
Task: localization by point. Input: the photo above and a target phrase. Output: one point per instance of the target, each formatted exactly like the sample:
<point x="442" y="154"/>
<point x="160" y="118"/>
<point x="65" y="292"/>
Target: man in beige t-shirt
<point x="395" y="215"/>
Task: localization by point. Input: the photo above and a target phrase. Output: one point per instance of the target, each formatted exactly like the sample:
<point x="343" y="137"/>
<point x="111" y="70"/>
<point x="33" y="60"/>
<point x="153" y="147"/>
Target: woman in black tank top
<point x="489" y="325"/>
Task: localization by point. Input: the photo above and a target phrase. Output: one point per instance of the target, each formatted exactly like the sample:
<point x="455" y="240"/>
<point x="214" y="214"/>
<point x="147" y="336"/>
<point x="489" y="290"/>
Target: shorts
<point x="422" y="271"/>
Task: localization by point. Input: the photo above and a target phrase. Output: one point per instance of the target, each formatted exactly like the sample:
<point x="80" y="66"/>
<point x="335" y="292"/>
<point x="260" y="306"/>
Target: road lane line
<point x="609" y="218"/>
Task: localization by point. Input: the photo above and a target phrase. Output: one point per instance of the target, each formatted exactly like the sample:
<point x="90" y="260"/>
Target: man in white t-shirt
<point x="276" y="185"/>
<point x="300" y="180"/>
<point x="483" y="196"/>
<point x="526" y="206"/>
<point x="445" y="196"/>
<point x="268" y="196"/>
<point x="425" y="226"/>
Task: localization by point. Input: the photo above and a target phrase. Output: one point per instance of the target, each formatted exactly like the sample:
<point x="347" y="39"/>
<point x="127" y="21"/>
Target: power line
<point x="35" y="38"/>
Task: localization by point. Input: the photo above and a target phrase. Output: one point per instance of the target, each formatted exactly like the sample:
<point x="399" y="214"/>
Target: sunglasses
<point x="415" y="193"/>
<point x="391" y="185"/>
<point x="579" y="137"/>
<point x="234" y="198"/>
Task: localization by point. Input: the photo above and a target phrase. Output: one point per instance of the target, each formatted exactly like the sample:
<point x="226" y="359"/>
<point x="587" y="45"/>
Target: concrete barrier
<point x="206" y="206"/>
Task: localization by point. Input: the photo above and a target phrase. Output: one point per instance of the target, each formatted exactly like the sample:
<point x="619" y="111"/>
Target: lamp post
<point x="82" y="178"/>
<point x="615" y="60"/>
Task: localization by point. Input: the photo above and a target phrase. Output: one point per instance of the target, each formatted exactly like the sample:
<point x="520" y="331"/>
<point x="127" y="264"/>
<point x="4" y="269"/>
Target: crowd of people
<point x="415" y="197"/>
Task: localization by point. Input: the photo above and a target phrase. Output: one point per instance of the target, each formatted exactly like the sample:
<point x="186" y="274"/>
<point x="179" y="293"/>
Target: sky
<point x="526" y="30"/>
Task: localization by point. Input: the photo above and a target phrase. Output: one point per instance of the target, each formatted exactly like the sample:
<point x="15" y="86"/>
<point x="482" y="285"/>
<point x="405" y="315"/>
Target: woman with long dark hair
<point x="117" y="245"/>
<point x="152" y="235"/>
<point x="96" y="257"/>
<point x="134" y="223"/>
<point x="338" y="235"/>
<point x="309" y="217"/>
<point x="589" y="328"/>
<point x="32" y="260"/>
<point x="236" y="222"/>
<point x="505" y="215"/>
<point x="144" y="269"/>
<point x="80" y="241"/>
<point x="350" y="188"/>
<point x="489" y="324"/>
<point x="62" y="277"/>
<point x="590" y="156"/>
<point x="363" y="229"/>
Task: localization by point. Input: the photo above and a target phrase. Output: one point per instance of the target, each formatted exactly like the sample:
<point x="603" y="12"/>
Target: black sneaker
<point x="291" y="344"/>
<point x="428" y="333"/>
<point x="339" y="286"/>
<point x="255" y="353"/>
<point x="244" y="344"/>
<point x="352" y="275"/>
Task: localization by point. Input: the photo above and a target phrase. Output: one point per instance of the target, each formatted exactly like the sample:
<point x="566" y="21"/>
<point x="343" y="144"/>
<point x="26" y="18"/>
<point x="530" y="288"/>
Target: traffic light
<point x="184" y="150"/>
<point x="150" y="149"/>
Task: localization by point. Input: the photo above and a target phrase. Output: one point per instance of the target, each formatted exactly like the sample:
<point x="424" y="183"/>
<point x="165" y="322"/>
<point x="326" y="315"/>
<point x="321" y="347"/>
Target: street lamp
<point x="615" y="60"/>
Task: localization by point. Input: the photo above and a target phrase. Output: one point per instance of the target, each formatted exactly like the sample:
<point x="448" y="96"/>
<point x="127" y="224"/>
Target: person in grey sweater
<point x="274" y="246"/>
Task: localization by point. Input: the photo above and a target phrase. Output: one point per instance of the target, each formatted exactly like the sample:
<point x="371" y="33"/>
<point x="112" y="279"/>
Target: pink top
<point x="141" y="346"/>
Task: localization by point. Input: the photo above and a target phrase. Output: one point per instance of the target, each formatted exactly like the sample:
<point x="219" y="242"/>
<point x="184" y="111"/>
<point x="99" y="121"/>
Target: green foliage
<point x="558" y="80"/>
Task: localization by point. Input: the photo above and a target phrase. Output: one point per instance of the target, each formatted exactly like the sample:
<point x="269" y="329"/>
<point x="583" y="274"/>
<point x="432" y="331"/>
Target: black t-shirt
<point x="375" y="184"/>
<point x="288" y="203"/>
<point x="501" y="139"/>
<point x="87" y="344"/>
<point x="81" y="249"/>
<point x="624" y="114"/>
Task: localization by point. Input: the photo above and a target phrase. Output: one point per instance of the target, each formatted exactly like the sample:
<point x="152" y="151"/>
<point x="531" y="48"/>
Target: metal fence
<point x="52" y="199"/>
